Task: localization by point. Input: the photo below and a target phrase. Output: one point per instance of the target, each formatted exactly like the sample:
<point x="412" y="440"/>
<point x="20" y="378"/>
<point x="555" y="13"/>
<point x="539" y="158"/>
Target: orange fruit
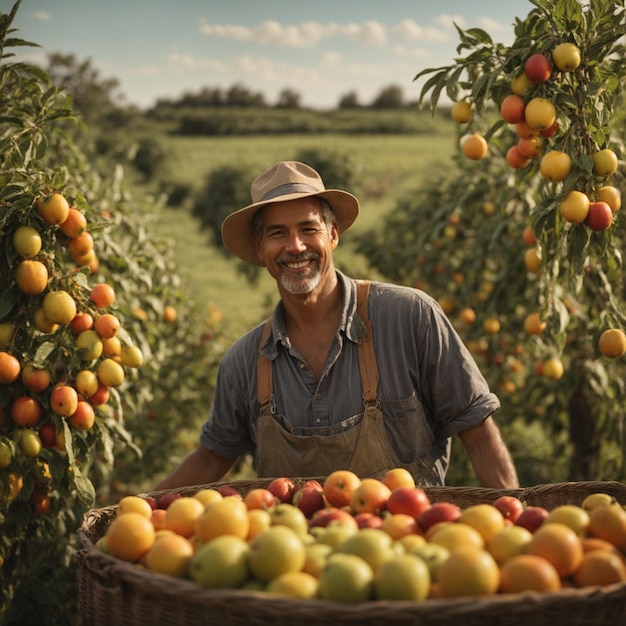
<point x="9" y="368"/>
<point x="31" y="277"/>
<point x="75" y="224"/>
<point x="604" y="162"/>
<point x="228" y="516"/>
<point x="26" y="411"/>
<point x="135" y="504"/>
<point x="107" y="325"/>
<point x="101" y="396"/>
<point x="36" y="379"/>
<point x="600" y="567"/>
<point x="612" y="343"/>
<point x="81" y="245"/>
<point x="469" y="571"/>
<point x="130" y="536"/>
<point x="7" y="330"/>
<point x="54" y="209"/>
<point x="170" y="555"/>
<point x="609" y="523"/>
<point x="64" y="400"/>
<point x="512" y="108"/>
<point x="102" y="295"/>
<point x="532" y="260"/>
<point x="528" y="572"/>
<point x="170" y="314"/>
<point x="533" y="324"/>
<point x="558" y="544"/>
<point x="84" y="417"/>
<point x="474" y="147"/>
<point x="182" y="514"/>
<point x="112" y="346"/>
<point x="59" y="307"/>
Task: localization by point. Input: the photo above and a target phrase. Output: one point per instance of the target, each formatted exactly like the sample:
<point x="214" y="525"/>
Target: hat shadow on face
<point x="287" y="180"/>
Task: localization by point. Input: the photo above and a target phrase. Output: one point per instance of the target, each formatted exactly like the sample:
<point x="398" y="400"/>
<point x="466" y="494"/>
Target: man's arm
<point x="489" y="455"/>
<point x="198" y="468"/>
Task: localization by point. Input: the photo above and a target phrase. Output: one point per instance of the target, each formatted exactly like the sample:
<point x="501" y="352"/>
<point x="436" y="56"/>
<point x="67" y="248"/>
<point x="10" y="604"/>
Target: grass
<point x="389" y="166"/>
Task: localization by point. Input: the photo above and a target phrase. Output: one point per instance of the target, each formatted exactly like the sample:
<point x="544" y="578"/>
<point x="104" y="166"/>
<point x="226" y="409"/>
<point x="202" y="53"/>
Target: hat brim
<point x="237" y="227"/>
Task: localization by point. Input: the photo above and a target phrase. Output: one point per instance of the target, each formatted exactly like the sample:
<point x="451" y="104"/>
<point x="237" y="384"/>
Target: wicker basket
<point x="118" y="593"/>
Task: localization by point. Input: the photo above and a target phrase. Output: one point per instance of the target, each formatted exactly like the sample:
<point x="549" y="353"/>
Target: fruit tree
<point x="523" y="247"/>
<point x="96" y="380"/>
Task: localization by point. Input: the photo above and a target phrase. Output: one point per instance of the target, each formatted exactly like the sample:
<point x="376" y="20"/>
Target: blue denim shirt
<point x="430" y="387"/>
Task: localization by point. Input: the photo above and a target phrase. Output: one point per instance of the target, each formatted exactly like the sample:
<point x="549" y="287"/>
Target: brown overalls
<point x="359" y="443"/>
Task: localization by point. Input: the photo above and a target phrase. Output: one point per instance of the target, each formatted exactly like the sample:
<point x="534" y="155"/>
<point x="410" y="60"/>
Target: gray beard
<point x="300" y="286"/>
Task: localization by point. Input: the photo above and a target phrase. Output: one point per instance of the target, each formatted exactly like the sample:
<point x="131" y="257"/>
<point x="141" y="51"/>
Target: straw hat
<point x="287" y="180"/>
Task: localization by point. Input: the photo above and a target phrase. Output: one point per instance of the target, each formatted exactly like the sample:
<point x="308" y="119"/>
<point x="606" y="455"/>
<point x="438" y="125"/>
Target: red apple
<point x="154" y="505"/>
<point x="438" y="512"/>
<point x="408" y="500"/>
<point x="532" y="517"/>
<point x="283" y="488"/>
<point x="48" y="435"/>
<point x="164" y="501"/>
<point x="509" y="506"/>
<point x="538" y="68"/>
<point x="309" y="499"/>
<point x="600" y="216"/>
<point x="368" y="520"/>
<point x="332" y="515"/>
<point x="227" y="490"/>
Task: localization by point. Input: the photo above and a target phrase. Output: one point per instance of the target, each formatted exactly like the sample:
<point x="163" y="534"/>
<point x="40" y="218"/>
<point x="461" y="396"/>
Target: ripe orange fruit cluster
<point x="384" y="533"/>
<point x="71" y="396"/>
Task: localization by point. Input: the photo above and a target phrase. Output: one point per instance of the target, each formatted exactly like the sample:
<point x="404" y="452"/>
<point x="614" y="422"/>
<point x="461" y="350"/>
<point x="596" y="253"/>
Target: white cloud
<point x="412" y="31"/>
<point x="303" y="35"/>
<point x="44" y="16"/>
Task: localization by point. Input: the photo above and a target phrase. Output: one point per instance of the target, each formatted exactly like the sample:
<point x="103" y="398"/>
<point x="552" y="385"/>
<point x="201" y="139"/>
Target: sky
<point x="322" y="50"/>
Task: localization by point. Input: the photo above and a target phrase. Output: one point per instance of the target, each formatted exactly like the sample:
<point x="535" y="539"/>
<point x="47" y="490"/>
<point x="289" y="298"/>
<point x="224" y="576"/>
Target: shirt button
<point x="318" y="420"/>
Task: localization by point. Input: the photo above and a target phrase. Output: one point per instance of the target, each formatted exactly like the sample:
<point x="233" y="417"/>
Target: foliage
<point x="48" y="485"/>
<point x="470" y="251"/>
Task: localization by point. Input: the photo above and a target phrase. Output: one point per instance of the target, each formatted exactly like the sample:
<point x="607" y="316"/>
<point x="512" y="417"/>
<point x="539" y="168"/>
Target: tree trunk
<point x="585" y="461"/>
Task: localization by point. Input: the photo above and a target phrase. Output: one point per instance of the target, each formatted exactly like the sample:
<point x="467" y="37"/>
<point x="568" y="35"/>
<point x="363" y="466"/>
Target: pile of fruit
<point x="348" y="539"/>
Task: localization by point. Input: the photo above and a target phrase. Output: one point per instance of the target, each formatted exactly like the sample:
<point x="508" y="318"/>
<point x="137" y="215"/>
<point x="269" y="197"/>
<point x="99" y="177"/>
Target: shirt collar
<point x="349" y="324"/>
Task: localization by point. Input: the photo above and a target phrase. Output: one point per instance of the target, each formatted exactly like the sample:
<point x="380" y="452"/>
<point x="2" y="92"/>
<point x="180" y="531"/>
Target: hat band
<point x="287" y="188"/>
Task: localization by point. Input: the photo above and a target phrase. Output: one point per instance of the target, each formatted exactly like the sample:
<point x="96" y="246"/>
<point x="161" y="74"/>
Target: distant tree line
<point x="391" y="97"/>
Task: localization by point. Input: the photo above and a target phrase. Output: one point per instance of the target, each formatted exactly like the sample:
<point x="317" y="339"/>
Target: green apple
<point x="295" y="585"/>
<point x="403" y="577"/>
<point x="275" y="551"/>
<point x="316" y="556"/>
<point x="333" y="535"/>
<point x="373" y="545"/>
<point x="346" y="578"/>
<point x="221" y="562"/>
<point x="433" y="554"/>
<point x="291" y="516"/>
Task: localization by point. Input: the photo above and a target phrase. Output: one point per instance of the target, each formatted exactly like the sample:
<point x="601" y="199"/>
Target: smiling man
<point x="346" y="374"/>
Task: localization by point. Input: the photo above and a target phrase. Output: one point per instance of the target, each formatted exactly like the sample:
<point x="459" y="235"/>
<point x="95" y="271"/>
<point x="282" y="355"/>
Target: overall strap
<point x="367" y="356"/>
<point x="264" y="371"/>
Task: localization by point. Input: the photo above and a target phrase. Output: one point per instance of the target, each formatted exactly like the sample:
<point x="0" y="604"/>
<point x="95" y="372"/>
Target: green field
<point x="389" y="166"/>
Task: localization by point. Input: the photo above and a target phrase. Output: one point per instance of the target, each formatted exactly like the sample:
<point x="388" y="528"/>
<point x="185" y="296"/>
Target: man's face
<point x="296" y="245"/>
